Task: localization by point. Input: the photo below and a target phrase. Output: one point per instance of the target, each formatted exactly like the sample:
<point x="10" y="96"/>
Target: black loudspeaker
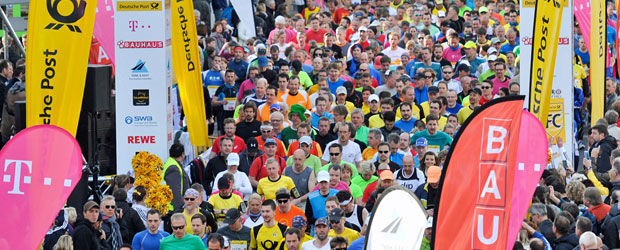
<point x="80" y="193"/>
<point x="96" y="131"/>
<point x="20" y="115"/>
<point x="97" y="91"/>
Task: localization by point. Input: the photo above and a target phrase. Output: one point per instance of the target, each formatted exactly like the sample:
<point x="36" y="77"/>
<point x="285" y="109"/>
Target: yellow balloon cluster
<point x="148" y="170"/>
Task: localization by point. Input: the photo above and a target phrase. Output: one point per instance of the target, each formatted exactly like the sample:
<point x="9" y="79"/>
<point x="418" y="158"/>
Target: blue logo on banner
<point x="140" y="67"/>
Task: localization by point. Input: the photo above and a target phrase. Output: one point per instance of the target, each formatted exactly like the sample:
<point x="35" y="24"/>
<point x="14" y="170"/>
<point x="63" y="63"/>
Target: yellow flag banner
<point x="598" y="50"/>
<point x="59" y="37"/>
<point x="547" y="22"/>
<point x="186" y="65"/>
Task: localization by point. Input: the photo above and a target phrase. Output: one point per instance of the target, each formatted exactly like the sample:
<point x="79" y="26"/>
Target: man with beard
<point x="249" y="127"/>
<point x="321" y="241"/>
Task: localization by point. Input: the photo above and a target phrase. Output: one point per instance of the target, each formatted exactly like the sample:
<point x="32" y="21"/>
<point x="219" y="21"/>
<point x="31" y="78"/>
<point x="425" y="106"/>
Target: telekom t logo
<point x="17" y="176"/>
<point x="20" y="178"/>
<point x="134" y="25"/>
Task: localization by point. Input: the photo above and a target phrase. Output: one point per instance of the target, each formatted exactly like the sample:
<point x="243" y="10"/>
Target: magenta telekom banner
<point x="531" y="161"/>
<point x="582" y="13"/>
<point x="40" y="167"/>
<point x="104" y="29"/>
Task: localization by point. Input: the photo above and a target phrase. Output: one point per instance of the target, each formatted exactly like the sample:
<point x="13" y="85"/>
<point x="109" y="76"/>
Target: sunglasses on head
<point x="178" y="228"/>
<point x="190" y="199"/>
<point x="110" y="207"/>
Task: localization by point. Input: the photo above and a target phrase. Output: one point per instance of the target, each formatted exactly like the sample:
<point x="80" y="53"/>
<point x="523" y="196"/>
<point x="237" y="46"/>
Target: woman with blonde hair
<point x="65" y="242"/>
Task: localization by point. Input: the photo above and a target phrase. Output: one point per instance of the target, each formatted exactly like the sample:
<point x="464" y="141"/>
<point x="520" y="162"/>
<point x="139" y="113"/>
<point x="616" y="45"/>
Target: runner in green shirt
<point x="179" y="238"/>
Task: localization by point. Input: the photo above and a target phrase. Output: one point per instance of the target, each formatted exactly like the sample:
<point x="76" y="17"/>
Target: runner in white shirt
<point x="351" y="151"/>
<point x="321" y="240"/>
<point x="394" y="52"/>
<point x="242" y="182"/>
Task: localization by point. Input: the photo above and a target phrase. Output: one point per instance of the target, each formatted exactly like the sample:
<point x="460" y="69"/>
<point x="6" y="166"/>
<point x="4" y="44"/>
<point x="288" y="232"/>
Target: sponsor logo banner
<point x="598" y="52"/>
<point x="185" y="59"/>
<point x="548" y="20"/>
<point x="140" y="44"/>
<point x="139" y="71"/>
<point x="489" y="141"/>
<point x="41" y="165"/>
<point x="138" y="6"/>
<point x="141" y="97"/>
<point x="59" y="44"/>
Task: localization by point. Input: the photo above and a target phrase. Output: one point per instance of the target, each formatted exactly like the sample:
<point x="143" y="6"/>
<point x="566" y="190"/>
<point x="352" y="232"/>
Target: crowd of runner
<point x="326" y="107"/>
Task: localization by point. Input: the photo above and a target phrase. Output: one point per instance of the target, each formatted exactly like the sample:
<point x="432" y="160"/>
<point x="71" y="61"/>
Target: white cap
<point x="429" y="222"/>
<point x="492" y="58"/>
<point x="341" y="90"/>
<point x="305" y="139"/>
<point x="362" y="28"/>
<point x="322" y="176"/>
<point x="491" y="50"/>
<point x="373" y="97"/>
<point x="232" y="159"/>
<point x="280" y="19"/>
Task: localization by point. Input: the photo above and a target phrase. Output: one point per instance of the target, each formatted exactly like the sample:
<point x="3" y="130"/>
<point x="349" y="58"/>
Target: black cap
<point x="418" y="76"/>
<point x="252" y="145"/>
<point x="336" y="214"/>
<point x="349" y="86"/>
<point x="433" y="89"/>
<point x="223" y="183"/>
<point x="477" y="90"/>
<point x="232" y="215"/>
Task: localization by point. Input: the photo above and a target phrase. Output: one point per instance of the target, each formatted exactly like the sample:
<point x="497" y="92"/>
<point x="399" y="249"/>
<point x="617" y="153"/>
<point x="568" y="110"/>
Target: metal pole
<point x="11" y="32"/>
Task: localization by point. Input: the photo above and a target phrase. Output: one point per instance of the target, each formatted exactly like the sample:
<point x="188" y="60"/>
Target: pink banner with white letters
<point x="531" y="161"/>
<point x="40" y="166"/>
<point x="582" y="13"/>
<point x="104" y="30"/>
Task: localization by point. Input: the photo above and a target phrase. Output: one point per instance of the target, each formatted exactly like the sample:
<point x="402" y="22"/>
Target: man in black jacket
<point x="565" y="240"/>
<point x="538" y="212"/>
<point x="88" y="234"/>
<point x="131" y="219"/>
<point x="248" y="127"/>
<point x="601" y="150"/>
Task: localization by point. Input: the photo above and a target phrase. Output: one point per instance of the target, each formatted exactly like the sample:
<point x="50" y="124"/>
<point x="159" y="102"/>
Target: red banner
<point x="476" y="188"/>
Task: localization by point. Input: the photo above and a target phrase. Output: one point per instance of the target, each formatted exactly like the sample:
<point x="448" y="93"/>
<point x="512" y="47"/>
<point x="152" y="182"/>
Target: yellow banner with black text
<point x="547" y="21"/>
<point x="186" y="66"/>
<point x="598" y="56"/>
<point x="59" y="39"/>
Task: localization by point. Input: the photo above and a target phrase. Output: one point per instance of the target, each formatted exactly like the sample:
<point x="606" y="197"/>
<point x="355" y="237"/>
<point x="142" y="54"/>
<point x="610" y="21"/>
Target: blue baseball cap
<point x="270" y="141"/>
<point x="299" y="222"/>
<point x="421" y="142"/>
<point x="275" y="106"/>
